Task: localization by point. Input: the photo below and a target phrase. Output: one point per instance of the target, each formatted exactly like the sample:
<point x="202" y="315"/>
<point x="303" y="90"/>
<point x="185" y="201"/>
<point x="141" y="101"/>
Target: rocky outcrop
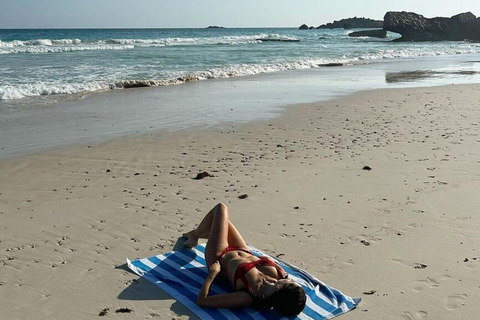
<point x="379" y="33"/>
<point x="303" y="27"/>
<point x="415" y="27"/>
<point x="277" y="40"/>
<point x="331" y="64"/>
<point x="352" y="23"/>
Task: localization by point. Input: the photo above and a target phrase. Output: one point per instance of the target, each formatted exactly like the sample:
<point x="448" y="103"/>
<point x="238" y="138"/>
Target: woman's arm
<point x="229" y="300"/>
<point x="213" y="270"/>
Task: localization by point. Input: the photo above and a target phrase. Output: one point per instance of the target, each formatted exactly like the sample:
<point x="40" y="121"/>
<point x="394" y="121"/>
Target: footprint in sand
<point x="422" y="284"/>
<point x="455" y="301"/>
<point x="349" y="262"/>
<point x="408" y="315"/>
<point x="415" y="265"/>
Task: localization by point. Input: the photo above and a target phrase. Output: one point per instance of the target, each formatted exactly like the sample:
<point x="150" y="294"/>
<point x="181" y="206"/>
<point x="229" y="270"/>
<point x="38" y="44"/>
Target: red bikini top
<point x="243" y="268"/>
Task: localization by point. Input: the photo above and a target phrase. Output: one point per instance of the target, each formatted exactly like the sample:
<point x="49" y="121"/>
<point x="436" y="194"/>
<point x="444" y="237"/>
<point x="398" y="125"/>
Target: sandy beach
<point x="403" y="235"/>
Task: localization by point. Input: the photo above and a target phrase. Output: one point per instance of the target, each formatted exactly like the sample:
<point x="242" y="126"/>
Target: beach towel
<point x="182" y="273"/>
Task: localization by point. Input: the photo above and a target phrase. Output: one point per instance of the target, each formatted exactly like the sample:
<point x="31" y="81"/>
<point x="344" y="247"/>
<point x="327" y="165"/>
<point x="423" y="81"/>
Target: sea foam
<point x="235" y="70"/>
<point x="69" y="45"/>
<point x="80" y="76"/>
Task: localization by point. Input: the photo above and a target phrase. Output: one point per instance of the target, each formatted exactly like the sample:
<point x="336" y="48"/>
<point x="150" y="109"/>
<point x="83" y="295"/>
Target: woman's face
<point x="269" y="287"/>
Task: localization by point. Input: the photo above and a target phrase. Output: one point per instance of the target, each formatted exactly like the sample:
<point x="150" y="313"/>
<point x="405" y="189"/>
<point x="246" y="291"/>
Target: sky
<point x="202" y="13"/>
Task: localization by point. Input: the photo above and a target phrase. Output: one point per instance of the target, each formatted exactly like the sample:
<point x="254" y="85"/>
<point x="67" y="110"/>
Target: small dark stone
<point x="365" y="242"/>
<point x="368" y="168"/>
<point x="296" y="208"/>
<point x="369" y="293"/>
<point x="108" y="170"/>
<point x="136" y="174"/>
<point x="124" y="310"/>
<point x="465" y="260"/>
<point x="104" y="312"/>
<point x="202" y="175"/>
<point x="420" y="266"/>
<point x="243" y="196"/>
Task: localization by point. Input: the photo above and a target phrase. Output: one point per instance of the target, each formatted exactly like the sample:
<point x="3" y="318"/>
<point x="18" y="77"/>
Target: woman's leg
<point x="220" y="231"/>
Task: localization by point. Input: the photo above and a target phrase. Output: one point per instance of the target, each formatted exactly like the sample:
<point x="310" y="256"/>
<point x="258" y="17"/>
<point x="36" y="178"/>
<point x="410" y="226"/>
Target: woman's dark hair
<point x="289" y="300"/>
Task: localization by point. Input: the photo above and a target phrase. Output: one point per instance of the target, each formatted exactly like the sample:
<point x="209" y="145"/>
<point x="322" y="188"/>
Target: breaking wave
<point x="122" y="78"/>
<point x="28" y="90"/>
<point x="69" y="45"/>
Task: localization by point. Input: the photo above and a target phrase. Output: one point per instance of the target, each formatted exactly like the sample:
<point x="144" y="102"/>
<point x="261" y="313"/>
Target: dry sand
<point x="407" y="230"/>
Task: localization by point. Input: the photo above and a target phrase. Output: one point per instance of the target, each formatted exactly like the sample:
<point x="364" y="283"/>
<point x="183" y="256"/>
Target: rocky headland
<point x="415" y="27"/>
<point x="305" y="27"/>
<point x="353" y="23"/>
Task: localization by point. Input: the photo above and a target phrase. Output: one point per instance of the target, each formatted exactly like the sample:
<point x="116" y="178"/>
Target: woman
<point x="258" y="282"/>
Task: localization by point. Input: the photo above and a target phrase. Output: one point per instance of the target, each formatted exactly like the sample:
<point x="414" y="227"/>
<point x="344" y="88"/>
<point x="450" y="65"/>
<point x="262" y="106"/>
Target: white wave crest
<point x="68" y="45"/>
<point x="228" y="40"/>
<point x="57" y="49"/>
<point x="48" y="88"/>
<point x="39" y="42"/>
<point x="41" y="89"/>
<point x="10" y="92"/>
<point x="414" y="52"/>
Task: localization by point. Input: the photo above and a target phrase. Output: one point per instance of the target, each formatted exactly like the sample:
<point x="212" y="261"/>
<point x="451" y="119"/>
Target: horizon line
<point x="101" y="28"/>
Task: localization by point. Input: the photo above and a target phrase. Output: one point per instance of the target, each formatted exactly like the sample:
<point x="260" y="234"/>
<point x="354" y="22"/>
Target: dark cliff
<point x="415" y="27"/>
<point x="352" y="23"/>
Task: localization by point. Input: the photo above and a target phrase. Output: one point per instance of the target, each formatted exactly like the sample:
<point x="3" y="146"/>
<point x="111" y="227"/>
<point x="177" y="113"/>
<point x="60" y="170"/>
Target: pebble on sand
<point x="103" y="312"/>
<point x="368" y="293"/>
<point x="202" y="175"/>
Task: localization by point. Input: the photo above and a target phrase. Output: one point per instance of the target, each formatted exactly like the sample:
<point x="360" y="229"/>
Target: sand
<point x="403" y="235"/>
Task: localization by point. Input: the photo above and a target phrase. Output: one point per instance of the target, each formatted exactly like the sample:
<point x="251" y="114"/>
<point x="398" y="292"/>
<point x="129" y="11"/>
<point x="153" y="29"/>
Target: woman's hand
<point x="214" y="268"/>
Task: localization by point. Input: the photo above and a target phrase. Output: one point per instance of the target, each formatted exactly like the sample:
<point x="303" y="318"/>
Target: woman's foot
<point x="192" y="239"/>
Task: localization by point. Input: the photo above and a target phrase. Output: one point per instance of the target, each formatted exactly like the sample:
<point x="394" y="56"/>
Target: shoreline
<point x="405" y="230"/>
<point x="278" y="113"/>
<point x="34" y="126"/>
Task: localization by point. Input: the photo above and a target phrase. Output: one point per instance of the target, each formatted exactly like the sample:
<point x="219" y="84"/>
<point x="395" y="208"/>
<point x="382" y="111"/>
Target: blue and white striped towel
<point x="182" y="273"/>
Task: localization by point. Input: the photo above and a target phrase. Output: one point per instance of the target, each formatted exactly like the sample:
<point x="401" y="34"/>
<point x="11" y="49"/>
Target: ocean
<point x="64" y="62"/>
<point x="63" y="87"/>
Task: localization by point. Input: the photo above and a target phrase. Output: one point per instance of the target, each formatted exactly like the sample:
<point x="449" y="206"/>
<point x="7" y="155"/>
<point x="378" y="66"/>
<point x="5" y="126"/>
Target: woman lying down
<point x="258" y="281"/>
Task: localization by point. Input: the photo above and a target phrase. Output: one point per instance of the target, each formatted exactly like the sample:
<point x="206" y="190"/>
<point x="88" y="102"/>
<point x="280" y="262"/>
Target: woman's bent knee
<point x="221" y="210"/>
<point x="221" y="206"/>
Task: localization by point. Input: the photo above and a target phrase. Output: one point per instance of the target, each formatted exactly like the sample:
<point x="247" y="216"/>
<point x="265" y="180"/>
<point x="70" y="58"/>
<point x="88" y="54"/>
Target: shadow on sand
<point x="142" y="289"/>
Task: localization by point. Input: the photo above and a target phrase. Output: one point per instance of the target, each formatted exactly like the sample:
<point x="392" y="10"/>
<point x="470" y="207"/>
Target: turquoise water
<point x="62" y="87"/>
<point x="65" y="62"/>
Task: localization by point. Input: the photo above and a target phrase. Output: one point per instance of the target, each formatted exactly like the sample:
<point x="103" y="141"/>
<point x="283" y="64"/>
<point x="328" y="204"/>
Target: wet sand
<point x="403" y="235"/>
